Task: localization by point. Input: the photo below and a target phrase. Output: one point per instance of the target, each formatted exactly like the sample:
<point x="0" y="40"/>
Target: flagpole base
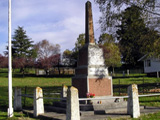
<point x="10" y="112"/>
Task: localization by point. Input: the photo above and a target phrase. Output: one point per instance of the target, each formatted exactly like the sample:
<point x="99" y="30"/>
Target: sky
<point x="58" y="21"/>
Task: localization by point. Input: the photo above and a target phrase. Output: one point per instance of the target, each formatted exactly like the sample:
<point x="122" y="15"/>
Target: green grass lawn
<point x="53" y="84"/>
<point x="135" y="80"/>
<point x="48" y="84"/>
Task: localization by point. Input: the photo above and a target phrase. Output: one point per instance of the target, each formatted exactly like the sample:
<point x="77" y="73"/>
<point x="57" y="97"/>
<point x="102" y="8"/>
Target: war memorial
<point x="91" y="74"/>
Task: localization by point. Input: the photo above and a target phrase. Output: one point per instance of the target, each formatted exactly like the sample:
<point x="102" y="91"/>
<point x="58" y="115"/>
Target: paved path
<point x="90" y="116"/>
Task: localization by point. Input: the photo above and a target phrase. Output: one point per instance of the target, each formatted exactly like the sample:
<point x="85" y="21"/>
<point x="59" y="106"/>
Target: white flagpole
<point x="10" y="109"/>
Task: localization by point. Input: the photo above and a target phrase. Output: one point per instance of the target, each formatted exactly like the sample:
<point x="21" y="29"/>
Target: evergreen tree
<point x="130" y="32"/>
<point x="22" y="45"/>
<point x="112" y="13"/>
<point x="78" y="45"/>
<point x="22" y="50"/>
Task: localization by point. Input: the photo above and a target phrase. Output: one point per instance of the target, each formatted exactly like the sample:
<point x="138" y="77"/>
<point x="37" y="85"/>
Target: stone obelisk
<point x="89" y="31"/>
<point x="91" y="74"/>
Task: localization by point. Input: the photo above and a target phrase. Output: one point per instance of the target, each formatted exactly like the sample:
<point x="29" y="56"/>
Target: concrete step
<point x="46" y="115"/>
<point x="92" y="107"/>
<point x="114" y="110"/>
<point x="114" y="105"/>
<point x="60" y="104"/>
<point x="111" y="105"/>
<point x="104" y="111"/>
<point x="86" y="107"/>
<point x="55" y="109"/>
<point x="86" y="113"/>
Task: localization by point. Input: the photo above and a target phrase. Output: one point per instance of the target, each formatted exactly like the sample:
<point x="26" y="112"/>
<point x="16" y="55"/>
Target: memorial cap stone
<point x="89" y="31"/>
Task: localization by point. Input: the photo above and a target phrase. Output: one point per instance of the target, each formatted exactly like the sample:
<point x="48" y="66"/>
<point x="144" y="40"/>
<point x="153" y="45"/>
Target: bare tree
<point x="48" y="55"/>
<point x="3" y="61"/>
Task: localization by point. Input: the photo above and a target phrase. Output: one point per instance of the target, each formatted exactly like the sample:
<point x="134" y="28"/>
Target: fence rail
<point x="51" y="93"/>
<point x="54" y="98"/>
<point x="38" y="99"/>
<point x="82" y="99"/>
<point x="148" y="95"/>
<point x="114" y="97"/>
<point x="26" y="95"/>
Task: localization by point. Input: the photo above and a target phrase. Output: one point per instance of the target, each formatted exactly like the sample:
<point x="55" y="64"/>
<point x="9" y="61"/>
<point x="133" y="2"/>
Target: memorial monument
<point x="91" y="74"/>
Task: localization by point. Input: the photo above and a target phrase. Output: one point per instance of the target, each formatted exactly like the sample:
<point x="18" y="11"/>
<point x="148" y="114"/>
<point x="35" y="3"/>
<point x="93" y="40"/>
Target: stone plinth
<point x="72" y="104"/>
<point x="17" y="99"/>
<point x="98" y="86"/>
<point x="133" y="108"/>
<point x="64" y="91"/>
<point x="38" y="102"/>
<point x="91" y="72"/>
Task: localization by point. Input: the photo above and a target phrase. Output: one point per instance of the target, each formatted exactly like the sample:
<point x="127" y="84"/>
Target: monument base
<point x="105" y="103"/>
<point x="94" y="85"/>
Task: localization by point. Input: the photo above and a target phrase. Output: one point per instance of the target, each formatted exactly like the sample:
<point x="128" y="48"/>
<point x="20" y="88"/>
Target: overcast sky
<point x="58" y="21"/>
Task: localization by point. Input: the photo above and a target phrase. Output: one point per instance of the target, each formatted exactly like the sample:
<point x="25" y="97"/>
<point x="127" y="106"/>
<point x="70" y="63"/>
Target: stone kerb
<point x="133" y="108"/>
<point x="17" y="99"/>
<point x="38" y="102"/>
<point x="72" y="104"/>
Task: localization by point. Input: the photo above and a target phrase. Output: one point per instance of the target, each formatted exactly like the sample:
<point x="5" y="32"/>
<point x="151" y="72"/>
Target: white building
<point x="151" y="64"/>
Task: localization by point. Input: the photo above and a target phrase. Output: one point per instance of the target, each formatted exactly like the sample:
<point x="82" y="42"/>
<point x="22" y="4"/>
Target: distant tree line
<point x="135" y="26"/>
<point x="111" y="51"/>
<point x="26" y="54"/>
<point x="130" y="30"/>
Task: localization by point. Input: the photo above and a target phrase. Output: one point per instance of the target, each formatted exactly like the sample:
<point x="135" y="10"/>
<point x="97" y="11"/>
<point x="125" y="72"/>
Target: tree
<point x="71" y="57"/>
<point x="48" y="55"/>
<point x="112" y="9"/>
<point x="23" y="63"/>
<point x="150" y="43"/>
<point x="157" y="48"/>
<point x="105" y="38"/>
<point x="22" y="45"/>
<point x="78" y="45"/>
<point x="135" y="39"/>
<point x="68" y="59"/>
<point x="3" y="61"/>
<point x="80" y="42"/>
<point x="111" y="51"/>
<point x="22" y="50"/>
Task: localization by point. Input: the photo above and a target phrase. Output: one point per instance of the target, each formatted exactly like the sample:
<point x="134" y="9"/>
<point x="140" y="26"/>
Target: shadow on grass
<point x="147" y="101"/>
<point x="39" y="76"/>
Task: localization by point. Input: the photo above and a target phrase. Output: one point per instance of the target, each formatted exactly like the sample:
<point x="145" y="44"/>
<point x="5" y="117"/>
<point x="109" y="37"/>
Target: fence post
<point x="64" y="91"/>
<point x="157" y="77"/>
<point x="38" y="102"/>
<point x="123" y="73"/>
<point x="128" y="72"/>
<point x="119" y="88"/>
<point x="17" y="99"/>
<point x="157" y="74"/>
<point x="143" y="85"/>
<point x="25" y="92"/>
<point x="133" y="108"/>
<point x="72" y="104"/>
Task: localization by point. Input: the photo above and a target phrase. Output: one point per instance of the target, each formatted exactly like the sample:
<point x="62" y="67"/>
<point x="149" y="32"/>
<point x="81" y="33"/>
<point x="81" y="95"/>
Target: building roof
<point x="143" y="57"/>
